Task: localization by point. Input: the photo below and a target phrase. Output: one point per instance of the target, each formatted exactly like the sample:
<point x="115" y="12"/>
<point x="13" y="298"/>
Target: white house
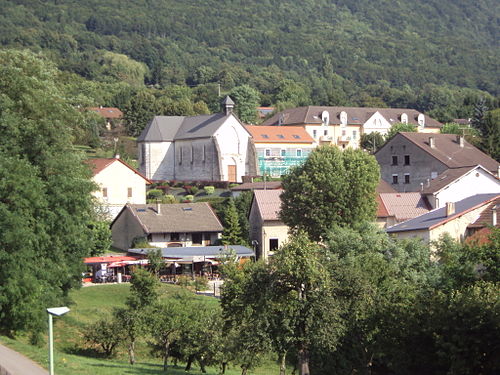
<point x="118" y="184"/>
<point x="456" y="184"/>
<point x="204" y="148"/>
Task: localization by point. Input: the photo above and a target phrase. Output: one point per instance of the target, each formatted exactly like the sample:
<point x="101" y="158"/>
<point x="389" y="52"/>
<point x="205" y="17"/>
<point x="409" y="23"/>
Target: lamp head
<point x="58" y="311"/>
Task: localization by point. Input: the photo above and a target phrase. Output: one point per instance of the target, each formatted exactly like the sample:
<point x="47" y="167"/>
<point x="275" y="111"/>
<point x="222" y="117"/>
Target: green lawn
<point x="72" y="357"/>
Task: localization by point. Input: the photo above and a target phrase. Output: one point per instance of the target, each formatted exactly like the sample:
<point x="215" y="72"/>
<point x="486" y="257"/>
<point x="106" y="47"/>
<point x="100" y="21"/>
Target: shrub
<point x="169" y="198"/>
<point x="184" y="281"/>
<point x="233" y="185"/>
<point x="209" y="190"/>
<point x="200" y="283"/>
<point x="187" y="188"/>
<point x="105" y="334"/>
<point x="154" y="194"/>
<point x="141" y="243"/>
<point x="194" y="190"/>
<point x="188" y="198"/>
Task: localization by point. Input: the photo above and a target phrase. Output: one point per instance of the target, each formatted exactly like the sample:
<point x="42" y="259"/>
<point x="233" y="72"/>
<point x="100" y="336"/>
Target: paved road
<point x="13" y="363"/>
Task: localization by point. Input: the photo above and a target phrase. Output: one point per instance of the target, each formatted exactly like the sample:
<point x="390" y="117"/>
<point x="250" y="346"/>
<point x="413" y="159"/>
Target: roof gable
<point x="269" y="204"/>
<point x="451" y="176"/>
<point x="100" y="164"/>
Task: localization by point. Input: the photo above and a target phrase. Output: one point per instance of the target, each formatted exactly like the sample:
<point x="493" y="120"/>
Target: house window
<point x="344" y="133"/>
<point x="299" y="152"/>
<point x="315" y="133"/>
<point x="192" y="154"/>
<point x="407" y="159"/>
<point x="394" y="160"/>
<point x="180" y="155"/>
<point x="407" y="178"/>
<point x="204" y="153"/>
<point x="268" y="152"/>
<point x="129" y="192"/>
<point x="354" y="134"/>
<point x="104" y="192"/>
<point x="325" y="132"/>
<point x="283" y="152"/>
<point x="143" y="154"/>
<point x="394" y="179"/>
<point x="196" y="238"/>
<point x="174" y="236"/>
<point x="273" y="244"/>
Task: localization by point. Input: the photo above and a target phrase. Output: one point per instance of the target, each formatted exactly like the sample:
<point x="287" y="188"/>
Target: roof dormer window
<point x="343" y="118"/>
<point x="404" y="118"/>
<point x="421" y="120"/>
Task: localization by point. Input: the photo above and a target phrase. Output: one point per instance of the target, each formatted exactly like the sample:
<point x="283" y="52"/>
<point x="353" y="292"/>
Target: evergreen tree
<point x="232" y="231"/>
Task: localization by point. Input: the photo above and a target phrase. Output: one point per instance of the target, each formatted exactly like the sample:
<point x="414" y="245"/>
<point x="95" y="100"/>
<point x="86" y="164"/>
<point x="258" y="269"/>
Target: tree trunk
<point x="283" y="363"/>
<point x="244" y="370"/>
<point x="131" y="352"/>
<point x="303" y="361"/>
<point x="189" y="363"/>
<point x="165" y="355"/>
<point x="224" y="364"/>
<point x="202" y="366"/>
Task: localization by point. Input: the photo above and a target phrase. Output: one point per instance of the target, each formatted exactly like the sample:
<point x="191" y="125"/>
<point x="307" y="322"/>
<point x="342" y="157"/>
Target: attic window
<point x="141" y="210"/>
<point x="264" y="136"/>
<point x="296" y="136"/>
<point x="281" y="136"/>
<point x="187" y="208"/>
<point x="355" y="119"/>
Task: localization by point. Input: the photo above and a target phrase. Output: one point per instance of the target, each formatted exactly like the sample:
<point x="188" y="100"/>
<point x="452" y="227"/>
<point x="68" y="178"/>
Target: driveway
<point x="13" y="363"/>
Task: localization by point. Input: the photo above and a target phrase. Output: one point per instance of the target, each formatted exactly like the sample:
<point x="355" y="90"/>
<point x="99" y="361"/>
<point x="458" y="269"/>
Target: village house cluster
<point x="431" y="183"/>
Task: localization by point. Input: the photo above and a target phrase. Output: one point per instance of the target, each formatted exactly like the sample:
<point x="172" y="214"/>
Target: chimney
<point x="450" y="208"/>
<point x="432" y="142"/>
<point x="494" y="215"/>
<point x="428" y="182"/>
<point x="158" y="207"/>
<point x="117" y="156"/>
<point x="227" y="105"/>
<point x="460" y="140"/>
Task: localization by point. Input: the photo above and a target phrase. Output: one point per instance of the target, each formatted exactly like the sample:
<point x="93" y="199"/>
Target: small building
<point x="411" y="161"/>
<point x="267" y="231"/>
<point x="111" y="115"/>
<point x="166" y="225"/>
<point x="456" y="184"/>
<point x="197" y="148"/>
<point x="280" y="147"/>
<point x="118" y="184"/>
<point x="343" y="126"/>
<point x="454" y="219"/>
<point x="258" y="185"/>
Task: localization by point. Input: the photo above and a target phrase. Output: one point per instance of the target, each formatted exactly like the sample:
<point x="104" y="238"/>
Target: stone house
<point x="267" y="231"/>
<point x="280" y="147"/>
<point x="411" y="161"/>
<point x="453" y="219"/>
<point x="198" y="148"/>
<point x="343" y="126"/>
<point x="166" y="225"/>
<point x="118" y="184"/>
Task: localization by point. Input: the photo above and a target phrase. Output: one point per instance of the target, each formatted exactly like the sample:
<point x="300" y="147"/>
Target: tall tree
<point x="247" y="100"/>
<point x="331" y="187"/>
<point x="36" y="122"/>
<point x="232" y="231"/>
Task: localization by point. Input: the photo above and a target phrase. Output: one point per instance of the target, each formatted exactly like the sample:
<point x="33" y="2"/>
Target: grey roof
<point x="355" y="115"/>
<point x="448" y="177"/>
<point x="170" y="128"/>
<point x="227" y="100"/>
<point x="175" y="218"/>
<point x="438" y="216"/>
<point x="161" y="128"/>
<point x="204" y="251"/>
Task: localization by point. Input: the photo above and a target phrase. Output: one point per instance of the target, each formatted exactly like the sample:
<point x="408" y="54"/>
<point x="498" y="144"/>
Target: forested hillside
<point x="433" y="55"/>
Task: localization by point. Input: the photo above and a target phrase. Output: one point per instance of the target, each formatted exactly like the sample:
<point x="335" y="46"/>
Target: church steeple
<point x="227" y="105"/>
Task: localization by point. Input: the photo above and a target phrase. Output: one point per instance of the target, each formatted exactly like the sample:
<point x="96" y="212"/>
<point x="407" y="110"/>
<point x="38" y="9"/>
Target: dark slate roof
<point x="200" y="126"/>
<point x="175" y="218"/>
<point x="161" y="129"/>
<point x="438" y="216"/>
<point x="448" y="151"/>
<point x="203" y="251"/>
<point x="170" y="128"/>
<point x="445" y="178"/>
<point x="227" y="100"/>
<point x="355" y="116"/>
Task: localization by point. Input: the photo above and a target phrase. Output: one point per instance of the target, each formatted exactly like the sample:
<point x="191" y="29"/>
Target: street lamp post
<point x="53" y="311"/>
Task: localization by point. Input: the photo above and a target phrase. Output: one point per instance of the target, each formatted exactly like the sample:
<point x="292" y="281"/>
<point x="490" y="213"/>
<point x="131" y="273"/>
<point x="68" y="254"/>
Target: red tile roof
<point x="486" y="217"/>
<point x="107" y="112"/>
<point x="381" y="209"/>
<point x="404" y="206"/>
<point x="109" y="259"/>
<point x="279" y="134"/>
<point x="99" y="164"/>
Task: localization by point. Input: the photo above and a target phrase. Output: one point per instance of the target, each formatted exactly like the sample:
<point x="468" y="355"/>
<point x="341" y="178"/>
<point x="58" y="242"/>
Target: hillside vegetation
<point x="386" y="50"/>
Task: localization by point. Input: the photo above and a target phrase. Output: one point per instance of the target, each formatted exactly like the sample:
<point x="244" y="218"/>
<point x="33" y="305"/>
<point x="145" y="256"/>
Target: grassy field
<point x="71" y="355"/>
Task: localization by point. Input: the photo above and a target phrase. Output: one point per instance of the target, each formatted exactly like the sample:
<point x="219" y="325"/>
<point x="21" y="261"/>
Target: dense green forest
<point x="439" y="56"/>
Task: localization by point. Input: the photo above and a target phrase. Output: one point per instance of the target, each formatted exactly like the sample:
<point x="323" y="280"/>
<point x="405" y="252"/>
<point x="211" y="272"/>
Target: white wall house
<point x="456" y="184"/>
<point x="205" y="148"/>
<point x="118" y="184"/>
